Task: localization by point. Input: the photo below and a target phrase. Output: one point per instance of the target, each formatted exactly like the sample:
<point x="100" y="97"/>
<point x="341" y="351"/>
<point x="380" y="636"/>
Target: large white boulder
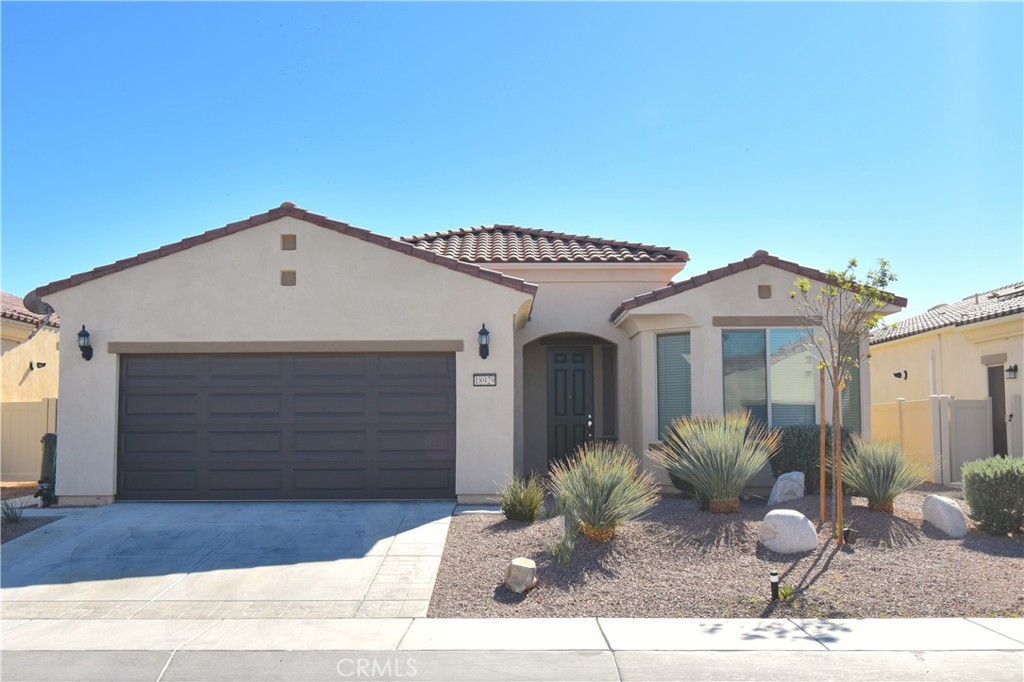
<point x="788" y="487"/>
<point x="521" y="575"/>
<point x="787" y="531"/>
<point x="945" y="514"/>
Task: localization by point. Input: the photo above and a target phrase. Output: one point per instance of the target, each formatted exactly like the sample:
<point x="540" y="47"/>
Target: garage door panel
<point x="158" y="481"/>
<point x="317" y="426"/>
<point x="310" y="405"/>
<point x="352" y="481"/>
<point x="268" y="480"/>
<point x="320" y="367"/>
<point x="240" y="404"/>
<point x="162" y="405"/>
<point x="245" y="442"/>
<point x="330" y="442"/>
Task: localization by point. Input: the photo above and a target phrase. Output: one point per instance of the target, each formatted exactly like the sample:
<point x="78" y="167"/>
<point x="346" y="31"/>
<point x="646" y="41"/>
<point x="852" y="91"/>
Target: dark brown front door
<point x="997" y="392"/>
<point x="570" y="399"/>
<point x="273" y="427"/>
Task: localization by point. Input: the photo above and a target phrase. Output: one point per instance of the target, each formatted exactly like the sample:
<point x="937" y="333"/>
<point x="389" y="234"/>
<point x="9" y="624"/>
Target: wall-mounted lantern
<point x="84" y="344"/>
<point x="1011" y="372"/>
<point x="484" y="339"/>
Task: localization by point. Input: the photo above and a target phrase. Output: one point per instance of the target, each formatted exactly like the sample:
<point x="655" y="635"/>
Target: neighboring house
<point x="30" y="364"/>
<point x="290" y="356"/>
<point x="970" y="352"/>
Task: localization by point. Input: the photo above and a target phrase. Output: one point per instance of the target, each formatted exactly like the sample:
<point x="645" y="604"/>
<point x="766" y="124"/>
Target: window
<point x="769" y="372"/>
<point x="674" y="398"/>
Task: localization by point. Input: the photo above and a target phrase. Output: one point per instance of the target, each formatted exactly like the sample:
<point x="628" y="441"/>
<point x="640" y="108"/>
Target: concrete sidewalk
<point x="514" y="649"/>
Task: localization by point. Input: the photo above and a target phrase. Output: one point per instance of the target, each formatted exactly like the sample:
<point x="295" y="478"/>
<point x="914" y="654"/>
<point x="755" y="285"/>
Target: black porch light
<point x="484" y="339"/>
<point x="1011" y="372"/>
<point x="84" y="344"/>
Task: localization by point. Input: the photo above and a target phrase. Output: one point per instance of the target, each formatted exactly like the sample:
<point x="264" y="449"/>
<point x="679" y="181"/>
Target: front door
<point x="997" y="392"/>
<point x="570" y="399"/>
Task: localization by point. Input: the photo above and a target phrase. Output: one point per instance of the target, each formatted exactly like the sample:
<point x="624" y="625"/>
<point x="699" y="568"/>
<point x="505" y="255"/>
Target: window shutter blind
<point x="674" y="398"/>
<point x="744" y="372"/>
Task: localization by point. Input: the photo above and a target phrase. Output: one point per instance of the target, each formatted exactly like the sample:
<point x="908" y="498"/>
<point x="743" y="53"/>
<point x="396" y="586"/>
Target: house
<point x="30" y="363"/>
<point x="291" y="356"/>
<point x="964" y="358"/>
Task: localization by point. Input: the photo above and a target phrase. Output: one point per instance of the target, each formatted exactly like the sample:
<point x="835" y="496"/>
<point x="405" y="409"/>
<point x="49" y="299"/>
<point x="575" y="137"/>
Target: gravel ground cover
<point x="681" y="562"/>
<point x="9" y="531"/>
<point x="10" y="490"/>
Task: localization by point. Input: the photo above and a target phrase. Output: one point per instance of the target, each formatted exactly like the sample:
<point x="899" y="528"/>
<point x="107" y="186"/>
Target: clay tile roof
<point x="513" y="244"/>
<point x="1006" y="300"/>
<point x="289" y="209"/>
<point x="13" y="308"/>
<point x="760" y="257"/>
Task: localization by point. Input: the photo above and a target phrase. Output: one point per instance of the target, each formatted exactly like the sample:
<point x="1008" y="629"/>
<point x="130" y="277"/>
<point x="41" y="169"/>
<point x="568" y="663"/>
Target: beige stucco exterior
<point x="229" y="290"/>
<point x="954" y="361"/>
<point x="22" y="383"/>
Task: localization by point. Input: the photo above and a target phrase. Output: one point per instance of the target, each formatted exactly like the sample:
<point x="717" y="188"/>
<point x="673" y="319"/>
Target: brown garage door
<point x="285" y="427"/>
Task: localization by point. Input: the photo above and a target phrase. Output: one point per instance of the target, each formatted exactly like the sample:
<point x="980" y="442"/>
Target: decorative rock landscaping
<point x="521" y="575"/>
<point x="787" y="531"/>
<point x="787" y="487"/>
<point x="945" y="514"/>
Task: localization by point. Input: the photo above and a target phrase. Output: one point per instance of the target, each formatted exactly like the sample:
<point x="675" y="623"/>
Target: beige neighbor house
<point x="947" y="383"/>
<point x="291" y="356"/>
<point x="29" y="364"/>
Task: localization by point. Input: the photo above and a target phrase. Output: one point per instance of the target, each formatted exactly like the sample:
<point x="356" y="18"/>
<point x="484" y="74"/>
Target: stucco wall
<point x="957" y="354"/>
<point x="229" y="290"/>
<point x="20" y="384"/>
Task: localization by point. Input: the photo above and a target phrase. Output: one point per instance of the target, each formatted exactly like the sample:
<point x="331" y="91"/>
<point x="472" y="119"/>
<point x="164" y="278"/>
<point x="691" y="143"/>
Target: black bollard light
<point x="773" y="577"/>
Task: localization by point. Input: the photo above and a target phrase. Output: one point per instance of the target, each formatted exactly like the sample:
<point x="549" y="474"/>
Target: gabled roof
<point x="513" y="244"/>
<point x="759" y="258"/>
<point x="1006" y="300"/>
<point x="13" y="308"/>
<point x="288" y="209"/>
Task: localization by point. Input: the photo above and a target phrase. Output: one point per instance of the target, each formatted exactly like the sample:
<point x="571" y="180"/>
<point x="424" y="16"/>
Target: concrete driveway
<point x="228" y="560"/>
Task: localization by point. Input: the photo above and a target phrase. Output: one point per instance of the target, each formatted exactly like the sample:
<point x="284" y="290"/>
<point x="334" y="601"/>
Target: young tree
<point x="845" y="308"/>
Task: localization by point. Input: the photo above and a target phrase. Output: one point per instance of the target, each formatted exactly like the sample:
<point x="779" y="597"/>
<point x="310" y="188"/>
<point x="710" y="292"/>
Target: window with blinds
<point x="674" y="396"/>
<point x="769" y="372"/>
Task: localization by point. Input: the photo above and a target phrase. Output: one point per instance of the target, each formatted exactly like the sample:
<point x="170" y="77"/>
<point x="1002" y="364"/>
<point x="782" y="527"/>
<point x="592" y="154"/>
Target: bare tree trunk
<point x="837" y="451"/>
<point x="821" y="447"/>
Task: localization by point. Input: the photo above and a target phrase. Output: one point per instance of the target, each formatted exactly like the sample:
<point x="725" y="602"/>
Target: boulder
<point x="788" y="487"/>
<point x="945" y="514"/>
<point x="787" y="531"/>
<point x="521" y="575"/>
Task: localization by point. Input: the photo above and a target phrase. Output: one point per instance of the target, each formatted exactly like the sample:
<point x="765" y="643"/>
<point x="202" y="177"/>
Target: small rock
<point x="945" y="514"/>
<point x="787" y="531"/>
<point x="789" y="486"/>
<point x="521" y="575"/>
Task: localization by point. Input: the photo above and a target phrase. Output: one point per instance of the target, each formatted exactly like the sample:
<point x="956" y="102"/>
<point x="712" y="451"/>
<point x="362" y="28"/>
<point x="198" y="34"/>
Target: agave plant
<point x="600" y="487"/>
<point x="716" y="455"/>
<point x="879" y="471"/>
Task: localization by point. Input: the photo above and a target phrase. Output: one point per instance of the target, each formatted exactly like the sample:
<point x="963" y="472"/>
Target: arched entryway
<point x="570" y="396"/>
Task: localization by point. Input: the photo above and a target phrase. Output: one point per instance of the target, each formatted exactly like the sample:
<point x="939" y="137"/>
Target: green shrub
<point x="601" y="487"/>
<point x="994" y="489"/>
<point x="879" y="471"/>
<point x="716" y="455"/>
<point x="799" y="451"/>
<point x="522" y="498"/>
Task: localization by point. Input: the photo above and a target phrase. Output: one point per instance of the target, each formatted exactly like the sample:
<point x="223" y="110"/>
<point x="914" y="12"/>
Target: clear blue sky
<point x="819" y="132"/>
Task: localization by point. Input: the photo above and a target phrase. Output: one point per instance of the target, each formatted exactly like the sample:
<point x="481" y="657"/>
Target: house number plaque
<point x="485" y="379"/>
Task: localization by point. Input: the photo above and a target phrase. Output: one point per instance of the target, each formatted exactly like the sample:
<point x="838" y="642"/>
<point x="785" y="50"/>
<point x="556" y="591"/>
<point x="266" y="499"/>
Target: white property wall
<point x="228" y="290"/>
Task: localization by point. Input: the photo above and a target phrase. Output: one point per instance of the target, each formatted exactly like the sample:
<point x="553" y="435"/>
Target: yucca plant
<point x="600" y="487"/>
<point x="716" y="455"/>
<point x="522" y="498"/>
<point x="880" y="471"/>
